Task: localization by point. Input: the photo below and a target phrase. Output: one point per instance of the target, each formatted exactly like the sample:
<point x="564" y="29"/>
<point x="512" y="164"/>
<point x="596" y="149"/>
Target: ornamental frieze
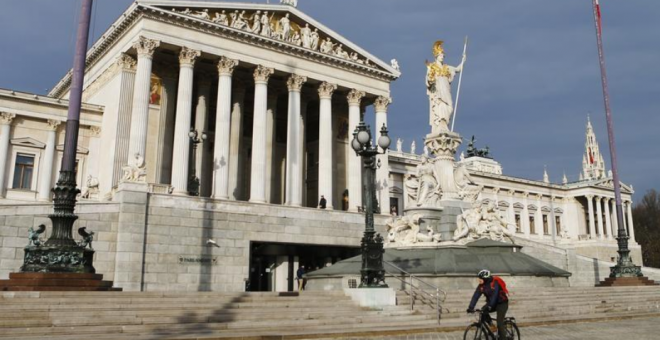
<point x="278" y="26"/>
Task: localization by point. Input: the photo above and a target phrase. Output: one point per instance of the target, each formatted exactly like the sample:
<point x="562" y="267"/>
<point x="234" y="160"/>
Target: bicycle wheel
<point x="474" y="332"/>
<point x="512" y="331"/>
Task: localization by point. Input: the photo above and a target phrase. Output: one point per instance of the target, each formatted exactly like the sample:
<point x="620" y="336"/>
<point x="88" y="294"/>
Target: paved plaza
<point x="637" y="329"/>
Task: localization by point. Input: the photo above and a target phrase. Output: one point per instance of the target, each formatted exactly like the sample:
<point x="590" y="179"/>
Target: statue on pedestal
<point x="439" y="77"/>
<point x="482" y="221"/>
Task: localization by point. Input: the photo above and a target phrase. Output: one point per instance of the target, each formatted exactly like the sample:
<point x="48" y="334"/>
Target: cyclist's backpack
<point x="504" y="293"/>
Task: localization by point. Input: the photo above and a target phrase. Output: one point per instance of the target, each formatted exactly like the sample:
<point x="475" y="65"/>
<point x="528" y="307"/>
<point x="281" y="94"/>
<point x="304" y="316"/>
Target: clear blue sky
<point x="531" y="77"/>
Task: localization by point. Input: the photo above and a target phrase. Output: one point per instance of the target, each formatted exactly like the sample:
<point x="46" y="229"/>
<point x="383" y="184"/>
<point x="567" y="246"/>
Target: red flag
<point x="591" y="156"/>
<point x="599" y="23"/>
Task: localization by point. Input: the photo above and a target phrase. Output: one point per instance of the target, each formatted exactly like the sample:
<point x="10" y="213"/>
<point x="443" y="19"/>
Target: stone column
<point x="294" y="156"/>
<point x="258" y="173"/>
<point x="599" y="217"/>
<point x="140" y="112"/>
<point x="118" y="136"/>
<point x="383" y="173"/>
<point x="221" y="158"/>
<point x="538" y="221"/>
<point x="5" y="130"/>
<point x="592" y="225"/>
<point x="615" y="221"/>
<point x="46" y="174"/>
<point x="608" y="218"/>
<point x="201" y="126"/>
<point x="271" y="167"/>
<point x="354" y="175"/>
<point x="512" y="212"/>
<point x="525" y="215"/>
<point x="236" y="146"/>
<point x="631" y="229"/>
<point x="181" y="153"/>
<point x="326" y="139"/>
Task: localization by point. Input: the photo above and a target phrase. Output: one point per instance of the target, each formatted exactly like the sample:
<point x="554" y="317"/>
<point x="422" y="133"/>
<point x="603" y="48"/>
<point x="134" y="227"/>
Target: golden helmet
<point x="437" y="48"/>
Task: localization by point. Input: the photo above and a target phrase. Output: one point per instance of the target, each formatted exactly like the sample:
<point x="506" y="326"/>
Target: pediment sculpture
<point x="279" y="26"/>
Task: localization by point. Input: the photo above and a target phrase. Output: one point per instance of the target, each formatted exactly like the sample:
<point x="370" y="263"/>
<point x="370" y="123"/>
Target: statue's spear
<point x="458" y="91"/>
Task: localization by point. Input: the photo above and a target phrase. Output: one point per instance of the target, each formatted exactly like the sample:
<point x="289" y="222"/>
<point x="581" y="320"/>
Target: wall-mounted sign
<point x="199" y="260"/>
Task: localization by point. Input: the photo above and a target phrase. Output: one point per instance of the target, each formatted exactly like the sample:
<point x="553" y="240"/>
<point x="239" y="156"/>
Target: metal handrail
<point x="412" y="277"/>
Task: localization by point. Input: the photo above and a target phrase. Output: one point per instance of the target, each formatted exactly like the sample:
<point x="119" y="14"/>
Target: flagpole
<point x="624" y="266"/>
<point x="460" y="79"/>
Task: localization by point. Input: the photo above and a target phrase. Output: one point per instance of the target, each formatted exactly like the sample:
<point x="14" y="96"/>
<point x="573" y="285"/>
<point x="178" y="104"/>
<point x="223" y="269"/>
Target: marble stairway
<point x="209" y="315"/>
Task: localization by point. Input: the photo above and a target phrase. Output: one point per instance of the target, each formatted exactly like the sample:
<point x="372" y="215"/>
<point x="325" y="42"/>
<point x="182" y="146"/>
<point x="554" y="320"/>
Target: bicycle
<point x="480" y="331"/>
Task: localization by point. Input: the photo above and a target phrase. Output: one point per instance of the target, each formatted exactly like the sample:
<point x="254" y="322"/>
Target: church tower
<point x="593" y="165"/>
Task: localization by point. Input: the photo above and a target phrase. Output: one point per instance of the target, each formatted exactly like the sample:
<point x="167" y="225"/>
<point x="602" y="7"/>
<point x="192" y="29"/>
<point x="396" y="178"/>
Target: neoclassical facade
<point x="210" y="130"/>
<point x="210" y="103"/>
<point x="580" y="214"/>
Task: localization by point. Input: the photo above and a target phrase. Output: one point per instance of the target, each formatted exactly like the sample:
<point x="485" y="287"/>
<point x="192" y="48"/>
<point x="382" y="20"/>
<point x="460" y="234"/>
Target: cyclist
<point x="497" y="300"/>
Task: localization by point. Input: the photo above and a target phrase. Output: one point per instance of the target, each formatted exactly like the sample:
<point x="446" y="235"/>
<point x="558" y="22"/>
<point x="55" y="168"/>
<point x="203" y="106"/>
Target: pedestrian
<point x="322" y="203"/>
<point x="300" y="277"/>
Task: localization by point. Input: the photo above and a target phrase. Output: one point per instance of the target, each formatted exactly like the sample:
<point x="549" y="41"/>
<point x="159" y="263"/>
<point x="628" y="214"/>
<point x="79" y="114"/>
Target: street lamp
<point x="193" y="181"/>
<point x="372" y="274"/>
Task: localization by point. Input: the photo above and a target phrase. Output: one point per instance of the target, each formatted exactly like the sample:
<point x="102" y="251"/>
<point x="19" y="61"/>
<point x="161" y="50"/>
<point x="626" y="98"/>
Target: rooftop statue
<point x="439" y="77"/>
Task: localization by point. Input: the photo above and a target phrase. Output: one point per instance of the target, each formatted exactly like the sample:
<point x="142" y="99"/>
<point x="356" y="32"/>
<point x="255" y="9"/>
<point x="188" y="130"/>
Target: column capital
<point x="145" y="47"/>
<point x="525" y="194"/>
<point x="262" y="74"/>
<point x="496" y="190"/>
<point x="510" y="192"/>
<point x="125" y="61"/>
<point x="6" y="118"/>
<point x="53" y="124"/>
<point x="382" y="103"/>
<point x="589" y="197"/>
<point x="295" y="82"/>
<point x="187" y="56"/>
<point x="355" y="97"/>
<point x="226" y="66"/>
<point x="326" y="89"/>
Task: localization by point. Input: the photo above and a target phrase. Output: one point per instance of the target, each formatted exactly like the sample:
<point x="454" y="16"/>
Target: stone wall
<point x="587" y="271"/>
<point x="15" y="220"/>
<point x="176" y="229"/>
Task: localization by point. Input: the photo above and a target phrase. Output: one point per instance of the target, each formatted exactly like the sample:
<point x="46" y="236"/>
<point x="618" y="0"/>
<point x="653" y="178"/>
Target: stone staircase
<point x="261" y="316"/>
<point x="168" y="315"/>
<point x="550" y="305"/>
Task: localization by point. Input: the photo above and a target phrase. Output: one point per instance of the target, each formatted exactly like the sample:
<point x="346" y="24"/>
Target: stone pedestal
<point x="372" y="297"/>
<point x="626" y="281"/>
<point x="56" y="282"/>
<point x="58" y="259"/>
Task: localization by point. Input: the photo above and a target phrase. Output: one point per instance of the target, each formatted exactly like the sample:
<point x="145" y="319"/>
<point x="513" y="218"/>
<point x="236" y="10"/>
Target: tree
<point x="646" y="219"/>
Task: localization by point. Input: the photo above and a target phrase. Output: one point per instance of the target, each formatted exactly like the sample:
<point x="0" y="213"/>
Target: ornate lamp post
<point x="60" y="253"/>
<point x="372" y="273"/>
<point x="193" y="182"/>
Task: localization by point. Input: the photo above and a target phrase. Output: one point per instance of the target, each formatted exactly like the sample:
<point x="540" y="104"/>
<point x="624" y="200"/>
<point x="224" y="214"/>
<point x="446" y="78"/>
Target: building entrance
<point x="273" y="266"/>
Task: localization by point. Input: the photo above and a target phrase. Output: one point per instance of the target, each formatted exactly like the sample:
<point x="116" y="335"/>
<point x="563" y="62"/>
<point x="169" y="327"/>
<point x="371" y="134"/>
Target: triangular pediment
<point x="609" y="183"/>
<point x="241" y="18"/>
<point x="28" y="142"/>
<point x="79" y="149"/>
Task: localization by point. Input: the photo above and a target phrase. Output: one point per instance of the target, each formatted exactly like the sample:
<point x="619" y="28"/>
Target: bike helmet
<point x="484" y="274"/>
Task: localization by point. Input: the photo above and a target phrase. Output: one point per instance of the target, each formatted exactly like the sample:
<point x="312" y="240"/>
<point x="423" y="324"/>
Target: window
<point x="532" y="226"/>
<point x="518" y="224"/>
<point x="23" y="171"/>
<point x="558" y="224"/>
<point x="546" y="227"/>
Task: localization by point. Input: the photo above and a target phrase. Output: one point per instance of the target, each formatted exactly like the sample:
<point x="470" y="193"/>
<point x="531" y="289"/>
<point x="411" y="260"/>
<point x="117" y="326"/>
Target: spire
<point x="546" y="178"/>
<point x="593" y="163"/>
<point x="564" y="179"/>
